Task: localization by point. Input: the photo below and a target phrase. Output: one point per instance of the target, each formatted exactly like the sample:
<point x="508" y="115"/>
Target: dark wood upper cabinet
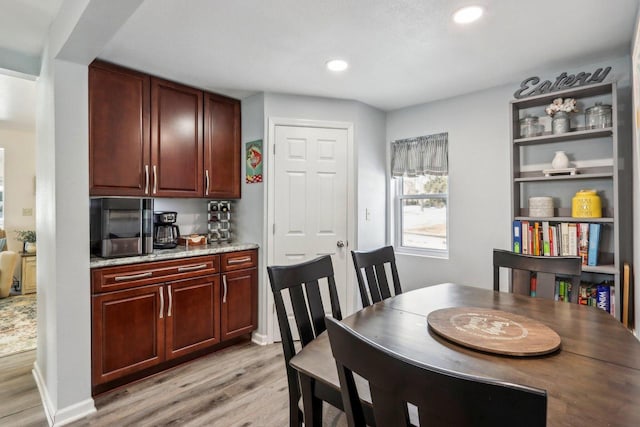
<point x="156" y="138"/>
<point x="221" y="146"/>
<point x="176" y="140"/>
<point x="118" y="131"/>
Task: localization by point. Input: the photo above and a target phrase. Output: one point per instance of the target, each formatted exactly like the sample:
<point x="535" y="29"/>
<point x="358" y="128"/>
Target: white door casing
<point x="310" y="199"/>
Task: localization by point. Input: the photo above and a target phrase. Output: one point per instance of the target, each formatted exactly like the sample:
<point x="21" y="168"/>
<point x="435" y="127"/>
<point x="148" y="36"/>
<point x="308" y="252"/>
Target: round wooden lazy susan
<point x="494" y="331"/>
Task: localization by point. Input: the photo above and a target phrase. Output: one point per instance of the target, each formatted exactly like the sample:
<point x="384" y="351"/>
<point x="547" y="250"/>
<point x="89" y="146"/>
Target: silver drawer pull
<point x="133" y="276"/>
<point x="239" y="260"/>
<point x="224" y="285"/>
<point x="146" y="179"/>
<point x="192" y="268"/>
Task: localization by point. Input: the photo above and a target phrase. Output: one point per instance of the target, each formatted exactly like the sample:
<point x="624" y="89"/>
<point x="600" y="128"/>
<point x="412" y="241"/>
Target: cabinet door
<point x="193" y="315"/>
<point x="176" y="140"/>
<point x="127" y="332"/>
<point x="118" y="131"/>
<point x="29" y="283"/>
<point x="221" y="147"/>
<point x="239" y="302"/>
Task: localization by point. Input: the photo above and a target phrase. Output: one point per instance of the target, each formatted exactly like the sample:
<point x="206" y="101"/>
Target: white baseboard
<point x="63" y="416"/>
<point x="259" y="339"/>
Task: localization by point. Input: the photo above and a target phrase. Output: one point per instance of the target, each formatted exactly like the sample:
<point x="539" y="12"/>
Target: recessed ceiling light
<point x="468" y="14"/>
<point x="337" y="65"/>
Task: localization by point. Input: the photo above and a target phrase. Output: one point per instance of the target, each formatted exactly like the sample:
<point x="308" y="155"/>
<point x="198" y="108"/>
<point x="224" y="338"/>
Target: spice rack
<point x="219" y="221"/>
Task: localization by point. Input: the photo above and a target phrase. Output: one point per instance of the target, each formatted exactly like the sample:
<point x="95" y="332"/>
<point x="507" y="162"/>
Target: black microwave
<point x="121" y="227"/>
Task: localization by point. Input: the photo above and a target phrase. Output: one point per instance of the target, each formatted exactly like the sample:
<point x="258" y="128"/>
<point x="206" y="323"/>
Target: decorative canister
<point x="560" y="122"/>
<point x="560" y="160"/>
<point x="541" y="207"/>
<point x="529" y="126"/>
<point x="598" y="116"/>
<point x="586" y="204"/>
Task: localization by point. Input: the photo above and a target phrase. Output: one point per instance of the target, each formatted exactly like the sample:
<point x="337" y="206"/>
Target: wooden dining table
<point x="593" y="379"/>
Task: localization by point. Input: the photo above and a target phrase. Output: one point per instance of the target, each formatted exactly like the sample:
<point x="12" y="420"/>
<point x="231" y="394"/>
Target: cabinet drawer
<point x="239" y="260"/>
<point x="128" y="276"/>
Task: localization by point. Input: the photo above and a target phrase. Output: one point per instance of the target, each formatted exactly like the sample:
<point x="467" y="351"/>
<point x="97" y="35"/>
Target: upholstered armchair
<point x="8" y="260"/>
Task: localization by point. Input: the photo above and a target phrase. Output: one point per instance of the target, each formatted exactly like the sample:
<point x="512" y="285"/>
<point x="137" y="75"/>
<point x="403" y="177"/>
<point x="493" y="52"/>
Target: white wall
<point x="635" y="52"/>
<point x="250" y="213"/>
<point x="479" y="177"/>
<point x="192" y="213"/>
<point x="19" y="176"/>
<point x="63" y="365"/>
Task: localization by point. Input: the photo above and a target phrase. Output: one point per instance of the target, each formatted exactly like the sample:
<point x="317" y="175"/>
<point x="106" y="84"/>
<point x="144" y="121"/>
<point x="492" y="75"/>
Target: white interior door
<point x="310" y="200"/>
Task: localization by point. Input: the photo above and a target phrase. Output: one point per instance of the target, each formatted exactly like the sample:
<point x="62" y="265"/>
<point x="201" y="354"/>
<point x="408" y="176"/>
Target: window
<point x="420" y="170"/>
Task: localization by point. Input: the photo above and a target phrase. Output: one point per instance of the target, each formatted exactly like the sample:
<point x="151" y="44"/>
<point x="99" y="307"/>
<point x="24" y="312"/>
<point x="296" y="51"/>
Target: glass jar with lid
<point x="529" y="126"/>
<point x="598" y="116"/>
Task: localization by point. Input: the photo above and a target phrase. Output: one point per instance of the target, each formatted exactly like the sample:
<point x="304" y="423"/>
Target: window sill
<point x="425" y="253"/>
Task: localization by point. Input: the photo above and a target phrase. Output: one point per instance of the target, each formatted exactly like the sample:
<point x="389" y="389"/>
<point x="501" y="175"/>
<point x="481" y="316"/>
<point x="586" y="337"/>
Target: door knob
<point x="340" y="244"/>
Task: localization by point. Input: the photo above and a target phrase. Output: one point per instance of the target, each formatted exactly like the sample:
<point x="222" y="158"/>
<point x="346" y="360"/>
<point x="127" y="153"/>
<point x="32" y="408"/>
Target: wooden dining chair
<point x="376" y="287"/>
<point x="546" y="268"/>
<point x="302" y="283"/>
<point x="442" y="398"/>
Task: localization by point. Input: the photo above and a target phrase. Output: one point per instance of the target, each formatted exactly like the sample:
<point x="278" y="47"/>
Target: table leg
<point x="312" y="405"/>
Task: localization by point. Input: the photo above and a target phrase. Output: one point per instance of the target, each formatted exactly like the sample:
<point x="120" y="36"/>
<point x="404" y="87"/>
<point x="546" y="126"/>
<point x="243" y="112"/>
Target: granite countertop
<point x="177" y="252"/>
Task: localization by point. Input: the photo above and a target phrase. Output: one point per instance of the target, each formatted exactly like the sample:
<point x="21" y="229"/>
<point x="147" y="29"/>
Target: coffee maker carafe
<point x="166" y="233"/>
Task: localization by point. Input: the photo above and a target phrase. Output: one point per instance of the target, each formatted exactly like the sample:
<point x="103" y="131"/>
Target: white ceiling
<point x="401" y="53"/>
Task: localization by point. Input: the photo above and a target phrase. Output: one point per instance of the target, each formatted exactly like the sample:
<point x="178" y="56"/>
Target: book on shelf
<point x="564" y="232"/>
<point x="533" y="285"/>
<point x="562" y="290"/>
<point x="594" y="242"/>
<point x="517" y="237"/>
<point x="573" y="239"/>
<point x="525" y="237"/>
<point x="542" y="238"/>
<point x="602" y="295"/>
<point x="546" y="250"/>
<point x="583" y="242"/>
<point x="588" y="294"/>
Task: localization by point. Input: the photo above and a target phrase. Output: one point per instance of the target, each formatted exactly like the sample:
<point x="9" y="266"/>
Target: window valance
<point x="422" y="155"/>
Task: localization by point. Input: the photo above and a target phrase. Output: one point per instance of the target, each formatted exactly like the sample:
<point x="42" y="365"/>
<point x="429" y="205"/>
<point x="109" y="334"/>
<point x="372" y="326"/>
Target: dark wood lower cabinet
<point x="127" y="332"/>
<point x="158" y="314"/>
<point x="193" y="315"/>
<point x="239" y="302"/>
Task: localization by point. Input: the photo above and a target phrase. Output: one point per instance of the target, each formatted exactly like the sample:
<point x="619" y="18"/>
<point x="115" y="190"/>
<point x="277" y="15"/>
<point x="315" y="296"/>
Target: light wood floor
<point x="243" y="385"/>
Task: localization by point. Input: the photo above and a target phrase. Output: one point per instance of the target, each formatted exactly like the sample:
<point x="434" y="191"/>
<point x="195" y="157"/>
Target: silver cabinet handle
<point x="133" y="276"/>
<point x="239" y="260"/>
<point x="155" y="179"/>
<point x="224" y="286"/>
<point x="206" y="174"/>
<point x="170" y="301"/>
<point x="191" y="268"/>
<point x="146" y="179"/>
<point x="161" y="302"/>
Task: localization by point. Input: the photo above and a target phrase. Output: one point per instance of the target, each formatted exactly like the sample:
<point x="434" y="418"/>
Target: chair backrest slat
<point x="376" y="288"/>
<point x="383" y="284"/>
<point x="442" y="397"/>
<point x="301" y="314"/>
<point x="314" y="298"/>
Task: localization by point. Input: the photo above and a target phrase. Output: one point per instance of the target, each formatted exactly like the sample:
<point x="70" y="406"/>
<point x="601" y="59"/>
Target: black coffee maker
<point x="165" y="231"/>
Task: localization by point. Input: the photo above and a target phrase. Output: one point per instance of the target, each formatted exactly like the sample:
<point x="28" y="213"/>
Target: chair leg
<point x="312" y="405"/>
<point x="295" y="415"/>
